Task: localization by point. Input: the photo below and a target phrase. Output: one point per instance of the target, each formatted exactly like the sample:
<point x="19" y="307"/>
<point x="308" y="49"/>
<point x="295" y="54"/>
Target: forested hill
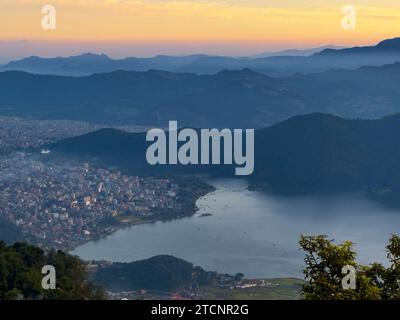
<point x="323" y="153"/>
<point x="21" y="278"/>
<point x="162" y="272"/>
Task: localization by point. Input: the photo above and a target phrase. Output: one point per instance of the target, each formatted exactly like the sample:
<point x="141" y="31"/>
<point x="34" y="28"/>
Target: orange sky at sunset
<point x="235" y="26"/>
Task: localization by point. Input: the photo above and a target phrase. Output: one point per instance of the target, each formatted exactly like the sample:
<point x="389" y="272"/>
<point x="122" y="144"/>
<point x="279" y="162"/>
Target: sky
<point x="226" y="27"/>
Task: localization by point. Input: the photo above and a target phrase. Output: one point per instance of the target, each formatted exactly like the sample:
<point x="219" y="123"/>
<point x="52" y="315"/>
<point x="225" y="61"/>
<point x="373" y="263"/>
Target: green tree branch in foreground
<point x="324" y="261"/>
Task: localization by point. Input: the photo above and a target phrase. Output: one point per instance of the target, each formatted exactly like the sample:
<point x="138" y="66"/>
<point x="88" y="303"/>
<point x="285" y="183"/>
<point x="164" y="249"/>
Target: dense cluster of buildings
<point x="63" y="205"/>
<point x="20" y="134"/>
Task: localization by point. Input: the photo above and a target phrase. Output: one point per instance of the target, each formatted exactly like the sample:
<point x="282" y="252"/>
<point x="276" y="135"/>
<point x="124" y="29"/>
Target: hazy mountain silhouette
<point x="273" y="64"/>
<point x="385" y="52"/>
<point x="295" y="52"/>
<point x="241" y="99"/>
<point x="89" y="63"/>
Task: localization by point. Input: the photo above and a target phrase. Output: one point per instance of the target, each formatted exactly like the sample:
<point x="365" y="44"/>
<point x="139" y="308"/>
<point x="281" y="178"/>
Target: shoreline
<point x="189" y="209"/>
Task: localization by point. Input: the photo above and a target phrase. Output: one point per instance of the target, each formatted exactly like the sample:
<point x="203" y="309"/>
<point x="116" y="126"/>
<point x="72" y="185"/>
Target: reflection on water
<point x="253" y="232"/>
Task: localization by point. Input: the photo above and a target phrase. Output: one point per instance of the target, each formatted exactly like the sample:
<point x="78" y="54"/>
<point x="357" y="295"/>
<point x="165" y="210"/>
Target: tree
<point x="239" y="277"/>
<point x="21" y="277"/>
<point x="324" y="262"/>
<point x="388" y="279"/>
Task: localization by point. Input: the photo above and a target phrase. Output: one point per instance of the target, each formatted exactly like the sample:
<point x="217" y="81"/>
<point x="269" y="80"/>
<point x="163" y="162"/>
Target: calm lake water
<point x="253" y="232"/>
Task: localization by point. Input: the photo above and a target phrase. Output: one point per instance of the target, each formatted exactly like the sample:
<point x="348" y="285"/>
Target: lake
<point x="254" y="232"/>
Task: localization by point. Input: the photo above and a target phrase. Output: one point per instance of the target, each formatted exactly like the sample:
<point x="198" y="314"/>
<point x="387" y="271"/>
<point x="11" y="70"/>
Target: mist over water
<point x="254" y="232"/>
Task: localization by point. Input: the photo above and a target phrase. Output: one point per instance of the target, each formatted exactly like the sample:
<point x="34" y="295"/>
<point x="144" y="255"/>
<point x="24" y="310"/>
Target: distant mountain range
<point x="296" y="52"/>
<point x="240" y="99"/>
<point x="272" y="64"/>
<point x="308" y="154"/>
<point x="385" y="52"/>
<point x="89" y="63"/>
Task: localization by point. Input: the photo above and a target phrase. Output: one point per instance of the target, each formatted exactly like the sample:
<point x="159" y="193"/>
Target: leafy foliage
<point x="323" y="269"/>
<point x="21" y="277"/>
